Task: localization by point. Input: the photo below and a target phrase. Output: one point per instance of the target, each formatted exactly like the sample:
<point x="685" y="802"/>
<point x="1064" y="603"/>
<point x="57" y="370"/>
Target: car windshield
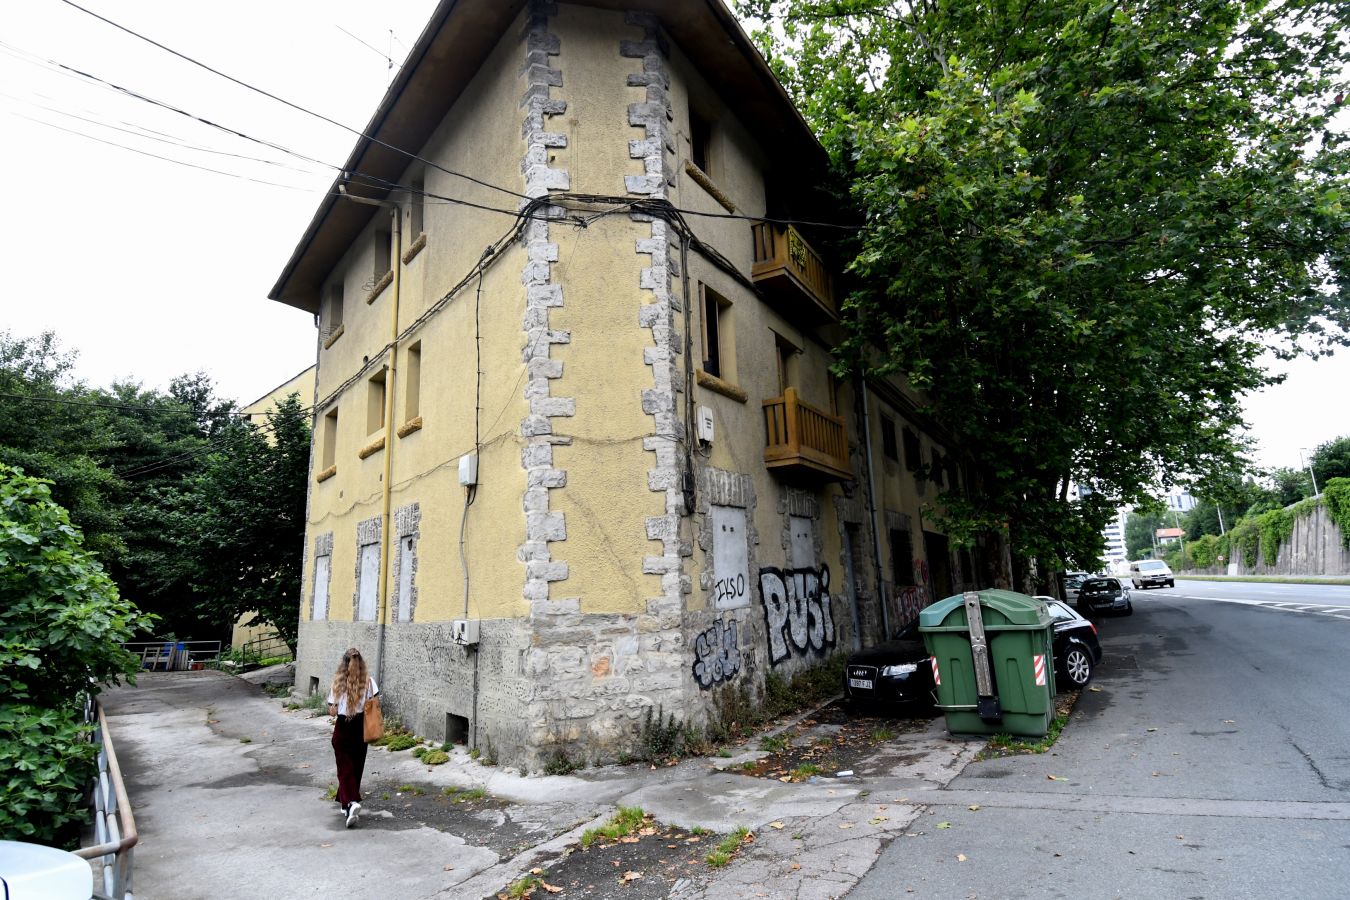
<point x="908" y="632"/>
<point x="1060" y="612"/>
<point x="1152" y="567"/>
<point x="1097" y="584"/>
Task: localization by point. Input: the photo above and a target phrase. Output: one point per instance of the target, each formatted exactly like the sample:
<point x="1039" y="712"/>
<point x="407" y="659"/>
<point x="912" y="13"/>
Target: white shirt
<point x="341" y="703"/>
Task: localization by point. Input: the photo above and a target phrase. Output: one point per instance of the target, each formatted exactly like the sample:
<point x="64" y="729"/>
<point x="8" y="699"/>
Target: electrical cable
<point x="295" y="106"/>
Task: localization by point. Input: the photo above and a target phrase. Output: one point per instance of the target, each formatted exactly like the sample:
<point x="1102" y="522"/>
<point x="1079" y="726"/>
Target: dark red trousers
<point x="349" y="748"/>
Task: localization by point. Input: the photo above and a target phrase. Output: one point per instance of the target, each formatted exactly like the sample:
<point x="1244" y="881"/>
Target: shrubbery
<point x="61" y="626"/>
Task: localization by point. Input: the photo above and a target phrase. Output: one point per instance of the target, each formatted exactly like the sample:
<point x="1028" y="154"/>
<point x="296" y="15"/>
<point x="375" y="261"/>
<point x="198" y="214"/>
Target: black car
<point x="899" y="671"/>
<point x="1098" y="595"/>
<point x="1076" y="648"/>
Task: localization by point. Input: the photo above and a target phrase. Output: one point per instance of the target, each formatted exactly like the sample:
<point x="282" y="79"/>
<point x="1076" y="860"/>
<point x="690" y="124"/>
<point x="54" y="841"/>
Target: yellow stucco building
<point x="577" y="450"/>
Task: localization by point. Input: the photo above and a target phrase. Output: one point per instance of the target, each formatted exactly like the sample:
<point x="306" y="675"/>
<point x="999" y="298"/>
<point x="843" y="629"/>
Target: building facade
<point x="579" y="455"/>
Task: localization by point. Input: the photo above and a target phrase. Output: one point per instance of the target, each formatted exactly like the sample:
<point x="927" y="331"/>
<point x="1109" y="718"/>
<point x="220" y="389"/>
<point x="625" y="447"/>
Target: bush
<point x="62" y="623"/>
<point x="1336" y="494"/>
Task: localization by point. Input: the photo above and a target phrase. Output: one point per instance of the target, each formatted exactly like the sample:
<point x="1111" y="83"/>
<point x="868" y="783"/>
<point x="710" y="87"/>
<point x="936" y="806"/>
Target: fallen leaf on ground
<point x="1153" y="729"/>
<point x="775" y="824"/>
<point x="1057" y="778"/>
<point x="944" y="824"/>
<point x="960" y="857"/>
<point x="630" y="876"/>
<point x="878" y="820"/>
<point x="325" y="845"/>
<point x="796" y="866"/>
<point x="629" y="839"/>
<point x="1095" y="690"/>
<point x="1230" y="721"/>
<point x="845" y="824"/>
<point x="551" y="888"/>
<point x="646" y="831"/>
<point x="447" y="867"/>
<point x="974" y="807"/>
<point x="536" y="871"/>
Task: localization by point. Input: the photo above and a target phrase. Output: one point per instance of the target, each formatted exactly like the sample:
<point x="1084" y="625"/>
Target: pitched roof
<point x="457" y="40"/>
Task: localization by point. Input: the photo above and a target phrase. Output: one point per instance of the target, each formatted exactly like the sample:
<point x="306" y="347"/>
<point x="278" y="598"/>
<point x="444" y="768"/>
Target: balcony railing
<point x="804" y="440"/>
<point x="788" y="269"/>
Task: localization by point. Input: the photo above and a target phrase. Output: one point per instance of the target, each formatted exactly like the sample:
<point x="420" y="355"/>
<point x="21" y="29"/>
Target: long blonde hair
<point x="351" y="679"/>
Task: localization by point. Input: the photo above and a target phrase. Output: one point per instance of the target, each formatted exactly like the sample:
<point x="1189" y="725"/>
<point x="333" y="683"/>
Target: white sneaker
<point x="353" y="810"/>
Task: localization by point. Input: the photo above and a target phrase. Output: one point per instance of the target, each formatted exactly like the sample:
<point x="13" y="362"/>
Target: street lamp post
<point x="1308" y="465"/>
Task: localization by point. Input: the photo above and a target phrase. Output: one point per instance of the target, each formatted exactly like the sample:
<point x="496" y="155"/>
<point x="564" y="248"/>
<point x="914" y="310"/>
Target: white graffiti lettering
<point x="717" y="656"/>
<point x="796" y="609"/>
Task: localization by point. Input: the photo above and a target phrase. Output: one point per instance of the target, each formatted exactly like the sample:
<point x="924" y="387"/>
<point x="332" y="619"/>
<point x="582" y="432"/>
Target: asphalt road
<point x="1213" y="761"/>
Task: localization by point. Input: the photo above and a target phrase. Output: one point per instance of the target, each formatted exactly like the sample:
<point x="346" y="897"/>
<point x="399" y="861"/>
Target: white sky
<point x="150" y="269"/>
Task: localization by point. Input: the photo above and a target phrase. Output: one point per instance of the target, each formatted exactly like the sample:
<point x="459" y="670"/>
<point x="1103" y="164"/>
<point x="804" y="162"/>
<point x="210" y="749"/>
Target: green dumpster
<point x="1020" y="635"/>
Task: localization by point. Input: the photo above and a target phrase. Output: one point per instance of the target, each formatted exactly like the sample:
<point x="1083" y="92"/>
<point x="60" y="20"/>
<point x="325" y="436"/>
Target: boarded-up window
<point x="368" y="583"/>
<point x="403" y="605"/>
<point x="731" y="570"/>
<point x="322" y="568"/>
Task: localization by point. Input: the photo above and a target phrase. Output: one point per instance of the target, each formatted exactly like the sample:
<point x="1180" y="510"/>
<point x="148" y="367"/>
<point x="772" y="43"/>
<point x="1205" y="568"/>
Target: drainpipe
<point x="390" y="384"/>
<point x="872" y="504"/>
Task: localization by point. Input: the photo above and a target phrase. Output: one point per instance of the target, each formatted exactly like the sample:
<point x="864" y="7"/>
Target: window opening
<point x="412" y="379"/>
<point x="375" y="402"/>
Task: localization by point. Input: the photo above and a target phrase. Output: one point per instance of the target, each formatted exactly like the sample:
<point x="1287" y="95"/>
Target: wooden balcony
<point x="802" y="440"/>
<point x="792" y="273"/>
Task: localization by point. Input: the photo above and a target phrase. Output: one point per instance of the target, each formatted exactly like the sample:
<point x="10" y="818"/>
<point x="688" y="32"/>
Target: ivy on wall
<point x="1336" y="496"/>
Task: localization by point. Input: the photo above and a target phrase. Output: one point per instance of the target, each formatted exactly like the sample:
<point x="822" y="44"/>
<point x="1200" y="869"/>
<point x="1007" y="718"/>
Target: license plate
<point x="864" y="683"/>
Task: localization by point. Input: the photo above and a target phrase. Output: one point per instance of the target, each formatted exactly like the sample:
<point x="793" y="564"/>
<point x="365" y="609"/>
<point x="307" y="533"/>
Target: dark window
<point x="902" y="558"/>
<point x="912" y="460"/>
<point x="888" y="445"/>
<point x="384" y="249"/>
<point x="712" y="332"/>
<point x="700" y="141"/>
<point x="936" y="471"/>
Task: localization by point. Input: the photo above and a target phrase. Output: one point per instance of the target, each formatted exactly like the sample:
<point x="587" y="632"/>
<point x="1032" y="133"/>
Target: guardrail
<point x="173" y="656"/>
<point x="114" y="825"/>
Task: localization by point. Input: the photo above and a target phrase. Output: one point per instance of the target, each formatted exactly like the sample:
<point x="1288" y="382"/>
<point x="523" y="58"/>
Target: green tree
<point x="1140" y="527"/>
<point x="1289" y="486"/>
<point x="239" y="524"/>
<point x="1331" y="460"/>
<point x="1084" y="222"/>
<point x="62" y="623"/>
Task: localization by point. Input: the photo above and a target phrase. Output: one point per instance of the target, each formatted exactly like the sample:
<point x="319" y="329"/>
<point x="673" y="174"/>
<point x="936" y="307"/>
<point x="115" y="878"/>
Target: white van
<point x="1151" y="573"/>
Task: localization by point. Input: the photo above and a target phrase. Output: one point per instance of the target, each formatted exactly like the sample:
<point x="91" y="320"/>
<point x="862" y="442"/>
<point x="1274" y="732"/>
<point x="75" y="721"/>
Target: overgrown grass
<point x="1006" y="745"/>
<point x="561" y="764"/>
<point x="880" y="735"/>
<point x="523" y="887"/>
<point x="1272" y="579"/>
<point x="396" y="740"/>
<point x="331" y="793"/>
<point x="623" y="823"/>
<point x="774" y="743"/>
<point x="804" y="771"/>
<point x="722" y="854"/>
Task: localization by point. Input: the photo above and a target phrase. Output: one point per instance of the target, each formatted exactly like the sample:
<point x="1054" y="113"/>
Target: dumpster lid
<point x="999" y="607"/>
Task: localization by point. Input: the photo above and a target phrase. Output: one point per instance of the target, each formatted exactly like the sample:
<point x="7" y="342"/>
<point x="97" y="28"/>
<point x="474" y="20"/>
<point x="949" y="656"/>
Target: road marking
<point x="1312" y="609"/>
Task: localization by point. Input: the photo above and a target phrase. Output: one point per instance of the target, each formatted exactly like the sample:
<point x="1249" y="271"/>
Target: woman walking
<point x="352" y="687"/>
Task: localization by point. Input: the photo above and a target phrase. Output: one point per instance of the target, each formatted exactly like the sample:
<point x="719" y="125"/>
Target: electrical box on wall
<point x="704" y="424"/>
<point x="468" y="469"/>
<point x="464" y="632"/>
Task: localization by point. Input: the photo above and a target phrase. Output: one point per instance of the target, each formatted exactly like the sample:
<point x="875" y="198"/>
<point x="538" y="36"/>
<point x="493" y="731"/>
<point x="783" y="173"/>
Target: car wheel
<point x="1078" y="666"/>
<point x="1171" y="584"/>
<point x="1136" y="585"/>
<point x="1129" y="609"/>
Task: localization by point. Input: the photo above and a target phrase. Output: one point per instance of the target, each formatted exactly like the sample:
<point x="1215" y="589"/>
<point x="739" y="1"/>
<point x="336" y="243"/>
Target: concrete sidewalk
<point x="229" y="791"/>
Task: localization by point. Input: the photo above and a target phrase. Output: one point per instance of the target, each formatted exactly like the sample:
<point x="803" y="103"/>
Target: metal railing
<point x="114" y="825"/>
<point x="173" y="656"/>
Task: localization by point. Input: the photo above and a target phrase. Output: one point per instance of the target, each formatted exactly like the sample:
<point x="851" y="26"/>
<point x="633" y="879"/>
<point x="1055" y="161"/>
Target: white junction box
<point x="464" y="632"/>
<point x="468" y="469"/>
<point x="704" y="424"/>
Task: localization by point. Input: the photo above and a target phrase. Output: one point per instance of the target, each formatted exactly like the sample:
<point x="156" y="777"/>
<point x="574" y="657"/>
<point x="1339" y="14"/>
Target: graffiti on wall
<point x="729" y="592"/>
<point x="717" y="656"/>
<point x="915" y="597"/>
<point x="797" y="611"/>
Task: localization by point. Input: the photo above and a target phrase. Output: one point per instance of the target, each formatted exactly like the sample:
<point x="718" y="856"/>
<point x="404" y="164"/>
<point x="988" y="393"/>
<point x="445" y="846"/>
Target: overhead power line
<point x="295" y="106"/>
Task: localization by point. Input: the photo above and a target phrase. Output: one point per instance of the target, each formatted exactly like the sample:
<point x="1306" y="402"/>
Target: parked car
<point x="1151" y="573"/>
<point x="1070" y="582"/>
<point x="1076" y="648"/>
<point x="1105" y="594"/>
<point x="898" y="671"/>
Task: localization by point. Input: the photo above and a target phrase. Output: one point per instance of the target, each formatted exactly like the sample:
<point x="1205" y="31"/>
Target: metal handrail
<point x="114" y="825"/>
